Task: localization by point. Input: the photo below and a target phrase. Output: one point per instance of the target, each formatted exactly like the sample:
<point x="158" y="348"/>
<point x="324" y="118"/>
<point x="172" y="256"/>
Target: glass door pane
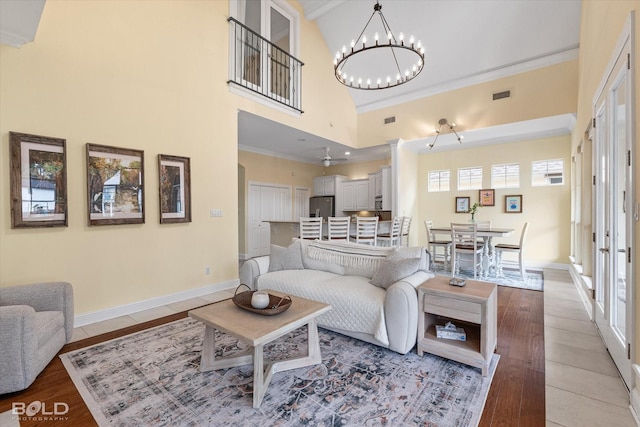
<point x="618" y="226"/>
<point x="279" y="59"/>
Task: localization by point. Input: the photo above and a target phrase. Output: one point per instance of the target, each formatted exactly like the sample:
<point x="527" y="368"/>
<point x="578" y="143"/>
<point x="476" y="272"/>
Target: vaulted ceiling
<point x="466" y="42"/>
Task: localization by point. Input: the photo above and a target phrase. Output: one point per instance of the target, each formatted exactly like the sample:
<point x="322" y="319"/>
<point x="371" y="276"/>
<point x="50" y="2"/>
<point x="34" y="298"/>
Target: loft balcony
<point x="263" y="68"/>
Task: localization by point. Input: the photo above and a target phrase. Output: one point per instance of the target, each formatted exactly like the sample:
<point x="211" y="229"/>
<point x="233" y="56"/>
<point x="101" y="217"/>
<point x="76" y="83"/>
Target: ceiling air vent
<point x="388" y="120"/>
<point x="501" y="95"/>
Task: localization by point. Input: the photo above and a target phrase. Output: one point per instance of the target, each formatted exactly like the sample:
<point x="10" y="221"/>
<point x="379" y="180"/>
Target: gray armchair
<point x="35" y="322"/>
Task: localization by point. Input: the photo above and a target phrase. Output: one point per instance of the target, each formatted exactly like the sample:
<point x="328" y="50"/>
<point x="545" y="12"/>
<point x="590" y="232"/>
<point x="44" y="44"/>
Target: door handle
<point x="604" y="250"/>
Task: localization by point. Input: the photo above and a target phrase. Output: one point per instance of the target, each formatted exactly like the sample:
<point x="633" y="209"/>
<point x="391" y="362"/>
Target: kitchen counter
<point x="283" y="232"/>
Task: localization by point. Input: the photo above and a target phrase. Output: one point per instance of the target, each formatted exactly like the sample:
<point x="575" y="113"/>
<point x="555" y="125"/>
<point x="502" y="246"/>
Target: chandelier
<point x="393" y="48"/>
<point x="444" y="122"/>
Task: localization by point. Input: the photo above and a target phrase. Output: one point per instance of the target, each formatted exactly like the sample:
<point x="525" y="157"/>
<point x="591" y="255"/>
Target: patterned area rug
<point x="152" y="378"/>
<point x="534" y="282"/>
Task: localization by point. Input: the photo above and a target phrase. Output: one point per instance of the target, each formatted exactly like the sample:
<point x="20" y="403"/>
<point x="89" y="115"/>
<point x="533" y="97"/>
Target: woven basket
<point x="276" y="304"/>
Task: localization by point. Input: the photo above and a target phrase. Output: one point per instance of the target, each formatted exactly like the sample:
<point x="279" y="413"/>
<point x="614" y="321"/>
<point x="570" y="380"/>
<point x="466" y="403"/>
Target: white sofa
<point x="384" y="313"/>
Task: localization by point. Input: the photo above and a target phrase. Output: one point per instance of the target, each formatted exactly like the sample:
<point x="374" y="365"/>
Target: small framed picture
<point x="38" y="181"/>
<point x="513" y="203"/>
<point x="462" y="204"/>
<point x="175" y="189"/>
<point x="487" y="197"/>
<point x="115" y="185"/>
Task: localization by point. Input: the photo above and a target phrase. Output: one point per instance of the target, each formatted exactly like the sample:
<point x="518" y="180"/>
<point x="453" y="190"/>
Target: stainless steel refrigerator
<point x="323" y="206"/>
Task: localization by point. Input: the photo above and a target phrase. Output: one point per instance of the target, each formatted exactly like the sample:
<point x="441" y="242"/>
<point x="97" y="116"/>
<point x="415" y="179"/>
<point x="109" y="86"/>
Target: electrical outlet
<point x="207" y="270"/>
<point x="215" y="212"/>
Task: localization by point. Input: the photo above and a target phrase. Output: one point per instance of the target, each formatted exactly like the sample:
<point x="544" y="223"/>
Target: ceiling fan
<point x="327" y="160"/>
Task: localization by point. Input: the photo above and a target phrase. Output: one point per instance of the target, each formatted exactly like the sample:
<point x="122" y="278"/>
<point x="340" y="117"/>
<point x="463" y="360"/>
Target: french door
<point x="613" y="190"/>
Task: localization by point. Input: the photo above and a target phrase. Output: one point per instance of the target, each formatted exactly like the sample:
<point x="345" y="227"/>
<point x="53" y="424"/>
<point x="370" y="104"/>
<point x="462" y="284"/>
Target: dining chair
<point x="433" y="244"/>
<point x="404" y="234"/>
<point x="464" y="241"/>
<point x="338" y="227"/>
<point x="392" y="238"/>
<point x="366" y="230"/>
<point x="311" y="228"/>
<point x="519" y="249"/>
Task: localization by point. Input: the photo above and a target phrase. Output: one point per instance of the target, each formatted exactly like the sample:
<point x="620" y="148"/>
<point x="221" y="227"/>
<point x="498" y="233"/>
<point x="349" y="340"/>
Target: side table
<point x="473" y="307"/>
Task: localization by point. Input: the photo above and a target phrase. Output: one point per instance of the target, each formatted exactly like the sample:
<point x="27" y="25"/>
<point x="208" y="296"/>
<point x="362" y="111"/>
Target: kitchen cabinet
<point x="326" y="185"/>
<point x="355" y="195"/>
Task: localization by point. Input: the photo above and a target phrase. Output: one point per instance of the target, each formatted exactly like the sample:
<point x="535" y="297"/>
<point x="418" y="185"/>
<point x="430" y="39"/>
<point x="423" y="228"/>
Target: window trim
<point x="547" y="178"/>
<point x="439" y="172"/>
<point x="493" y="181"/>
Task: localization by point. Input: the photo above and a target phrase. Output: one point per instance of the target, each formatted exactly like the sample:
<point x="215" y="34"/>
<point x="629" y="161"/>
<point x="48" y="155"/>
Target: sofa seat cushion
<point x="357" y="306"/>
<point x="46" y="323"/>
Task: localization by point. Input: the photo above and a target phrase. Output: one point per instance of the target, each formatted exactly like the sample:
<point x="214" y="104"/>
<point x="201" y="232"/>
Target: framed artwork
<point x="487" y="197"/>
<point x="115" y="185"/>
<point x="462" y="204"/>
<point x="513" y="204"/>
<point x="175" y="189"/>
<point x="38" y="181"/>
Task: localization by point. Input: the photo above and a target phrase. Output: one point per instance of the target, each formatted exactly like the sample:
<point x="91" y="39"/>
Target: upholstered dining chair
<point x="433" y="243"/>
<point x="338" y="227"/>
<point x="519" y="249"/>
<point x="366" y="230"/>
<point x="311" y="228"/>
<point x="404" y="235"/>
<point x="392" y="238"/>
<point x="464" y="241"/>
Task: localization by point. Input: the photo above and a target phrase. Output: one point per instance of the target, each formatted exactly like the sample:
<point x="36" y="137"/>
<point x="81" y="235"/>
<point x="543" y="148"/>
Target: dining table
<point x="488" y="265"/>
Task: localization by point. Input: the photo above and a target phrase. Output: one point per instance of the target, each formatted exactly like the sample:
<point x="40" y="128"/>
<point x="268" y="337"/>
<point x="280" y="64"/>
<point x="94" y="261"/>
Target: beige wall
<point x="149" y="76"/>
<point x="547" y="209"/>
<point x="539" y="93"/>
<point x="356" y="170"/>
<point x="601" y="26"/>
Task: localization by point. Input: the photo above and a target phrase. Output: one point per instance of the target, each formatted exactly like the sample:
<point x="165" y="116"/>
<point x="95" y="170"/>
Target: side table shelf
<point x="472" y="307"/>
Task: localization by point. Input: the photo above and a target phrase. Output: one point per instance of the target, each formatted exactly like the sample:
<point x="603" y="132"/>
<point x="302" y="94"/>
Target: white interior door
<point x="613" y="148"/>
<point x="267" y="202"/>
<point x="301" y="203"/>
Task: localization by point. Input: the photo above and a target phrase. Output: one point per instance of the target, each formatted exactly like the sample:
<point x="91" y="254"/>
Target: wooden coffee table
<point x="258" y="330"/>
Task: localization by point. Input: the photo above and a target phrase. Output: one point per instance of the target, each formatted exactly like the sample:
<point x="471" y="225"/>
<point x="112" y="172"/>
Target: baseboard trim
<point x="634" y="397"/>
<point x="583" y="286"/>
<point x="124" y="310"/>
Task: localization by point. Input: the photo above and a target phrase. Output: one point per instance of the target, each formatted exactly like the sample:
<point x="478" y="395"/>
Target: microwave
<point x="378" y="204"/>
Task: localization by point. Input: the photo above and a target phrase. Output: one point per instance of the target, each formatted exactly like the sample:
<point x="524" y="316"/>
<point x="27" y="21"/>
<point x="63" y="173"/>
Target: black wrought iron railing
<point x="264" y="68"/>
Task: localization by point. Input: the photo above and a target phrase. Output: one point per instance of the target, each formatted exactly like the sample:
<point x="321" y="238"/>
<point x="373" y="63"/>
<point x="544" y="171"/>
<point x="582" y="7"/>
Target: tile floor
<point x="582" y="384"/>
<point x="583" y="387"/>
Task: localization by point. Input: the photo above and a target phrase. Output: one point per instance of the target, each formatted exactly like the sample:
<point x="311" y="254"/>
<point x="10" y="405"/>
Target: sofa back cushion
<point x="352" y="258"/>
<point x="316" y="264"/>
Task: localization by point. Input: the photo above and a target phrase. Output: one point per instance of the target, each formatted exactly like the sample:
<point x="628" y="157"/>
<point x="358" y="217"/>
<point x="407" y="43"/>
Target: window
<point x="439" y="181"/>
<point x="547" y="172"/>
<point x="505" y="176"/>
<point x="470" y="178"/>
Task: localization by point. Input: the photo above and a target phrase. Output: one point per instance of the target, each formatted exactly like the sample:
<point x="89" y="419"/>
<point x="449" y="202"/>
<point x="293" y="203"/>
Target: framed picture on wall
<point x="513" y="203"/>
<point x="487" y="197"/>
<point x="175" y="189"/>
<point x="115" y="185"/>
<point x="38" y="181"/>
<point x="462" y="204"/>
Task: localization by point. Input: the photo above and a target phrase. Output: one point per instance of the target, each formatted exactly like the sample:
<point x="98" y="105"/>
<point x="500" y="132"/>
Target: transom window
<point x="547" y="172"/>
<point x="439" y="180"/>
<point x="505" y="176"/>
<point x="470" y="178"/>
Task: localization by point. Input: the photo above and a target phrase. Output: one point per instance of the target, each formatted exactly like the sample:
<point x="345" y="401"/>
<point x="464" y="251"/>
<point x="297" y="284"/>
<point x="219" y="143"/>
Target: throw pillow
<point x="393" y="269"/>
<point x="286" y="258"/>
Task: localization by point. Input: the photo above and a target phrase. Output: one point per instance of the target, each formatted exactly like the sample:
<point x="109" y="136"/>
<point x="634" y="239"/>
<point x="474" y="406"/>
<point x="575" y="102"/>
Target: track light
<point x="444" y="122"/>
